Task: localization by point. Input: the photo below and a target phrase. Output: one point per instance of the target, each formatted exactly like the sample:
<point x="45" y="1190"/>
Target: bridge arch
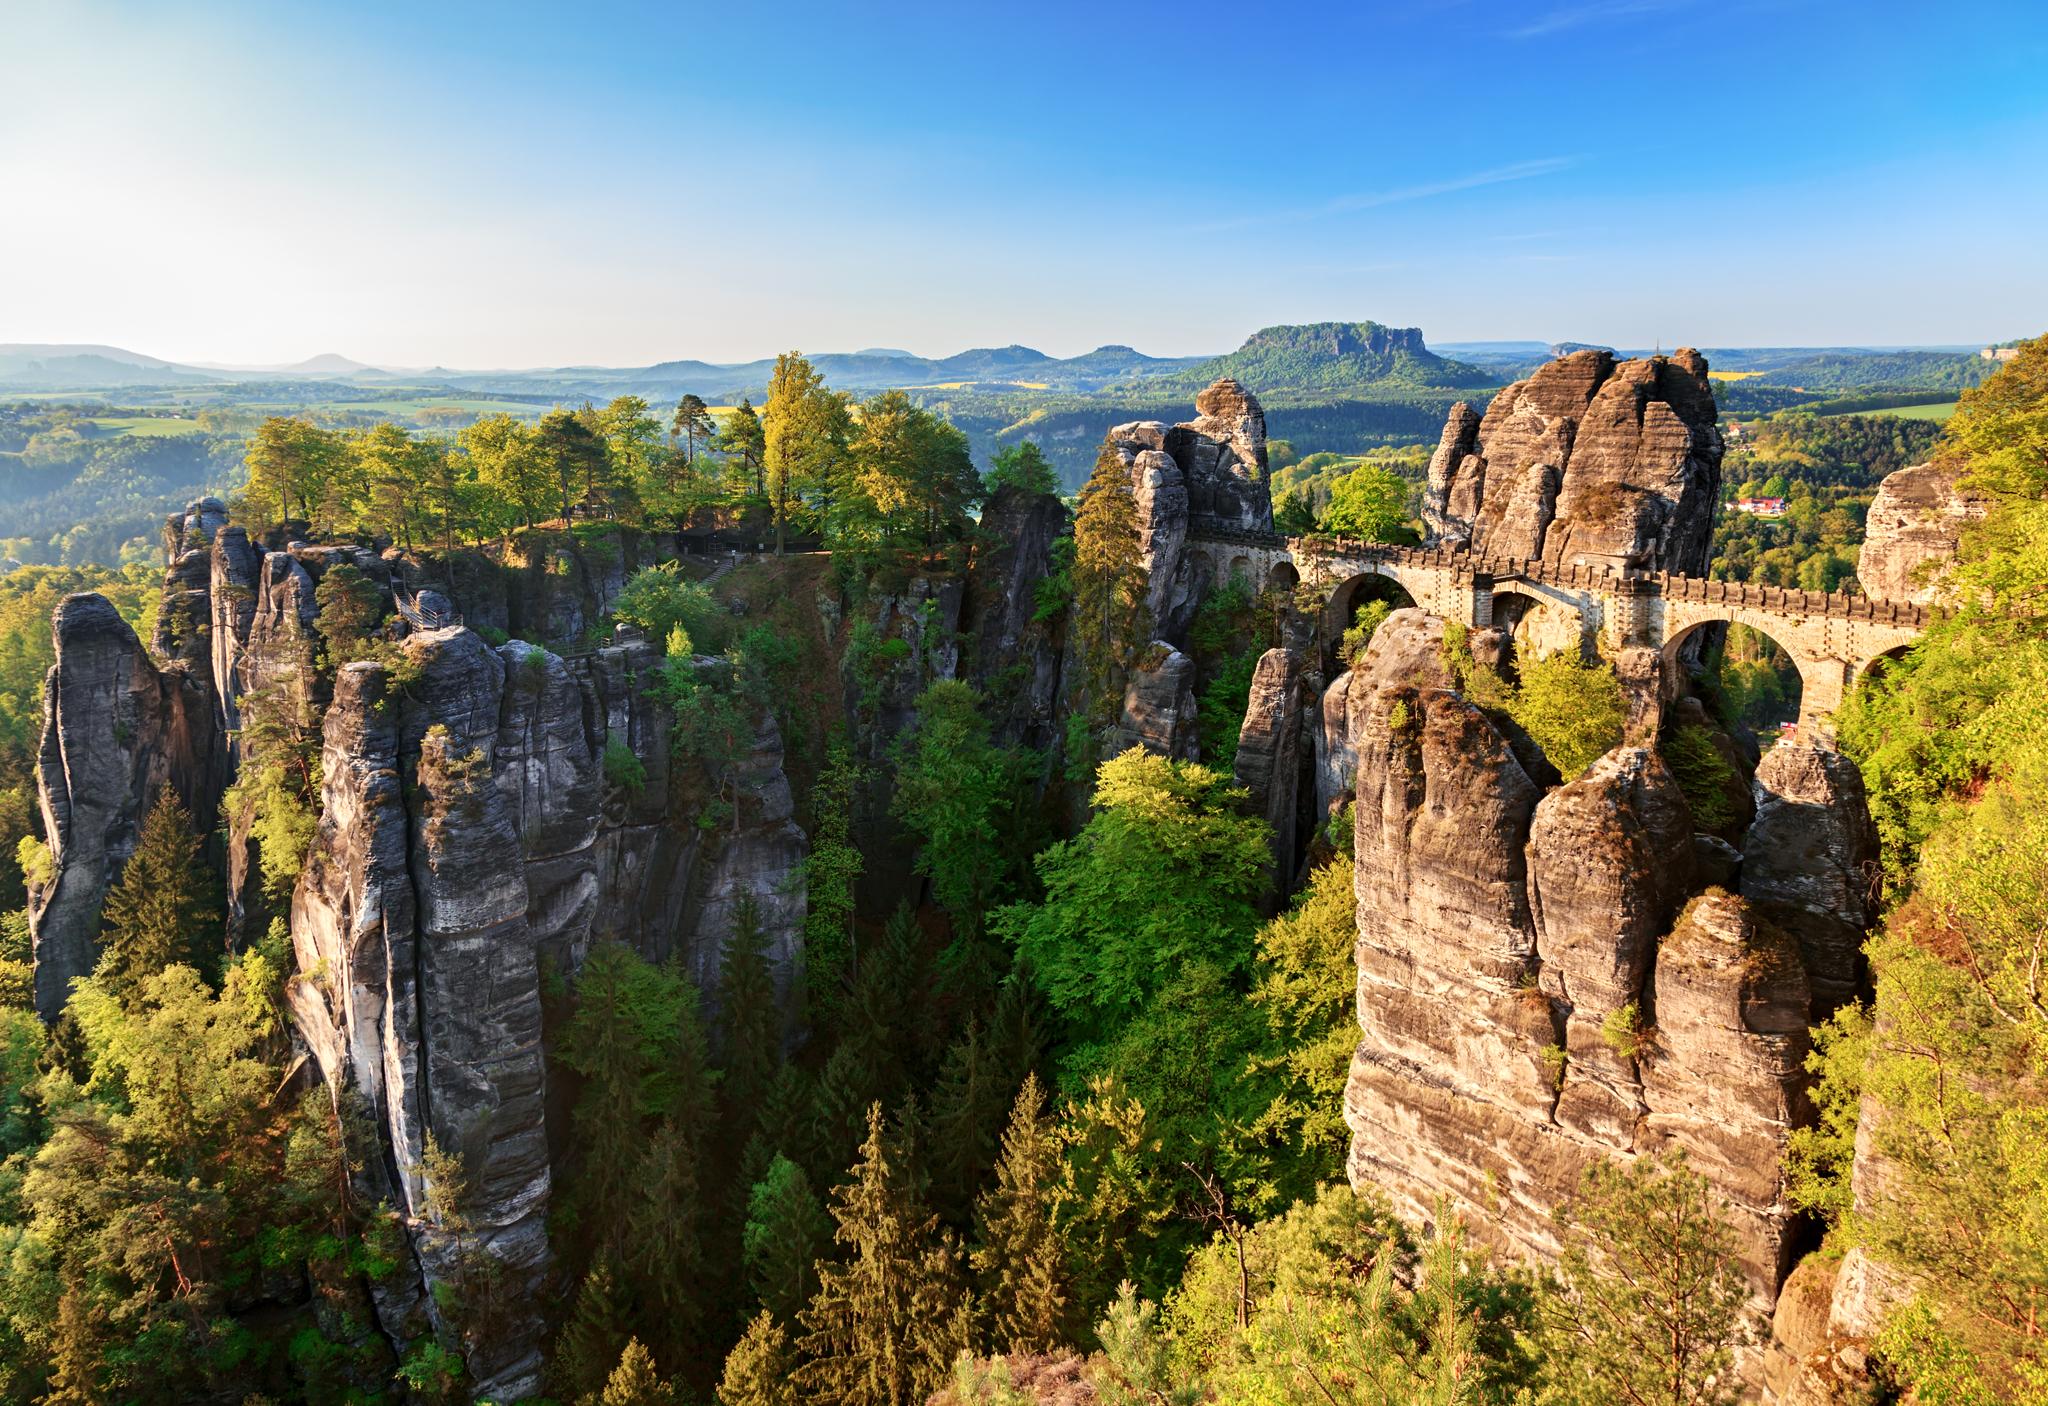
<point x="1878" y="665"/>
<point x="1748" y="657"/>
<point x="1539" y="624"/>
<point x="1377" y="582"/>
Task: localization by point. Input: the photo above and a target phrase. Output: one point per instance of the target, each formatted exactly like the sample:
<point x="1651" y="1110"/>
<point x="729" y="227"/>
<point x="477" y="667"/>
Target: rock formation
<point x="1016" y="661"/>
<point x="1159" y="705"/>
<point x="1276" y="760"/>
<point x="1811" y="862"/>
<point x="1585" y="461"/>
<point x="1912" y="532"/>
<point x="1534" y="992"/>
<point x="1210" y="472"/>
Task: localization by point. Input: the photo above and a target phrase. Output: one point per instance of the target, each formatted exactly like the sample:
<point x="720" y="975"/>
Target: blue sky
<point x="507" y="184"/>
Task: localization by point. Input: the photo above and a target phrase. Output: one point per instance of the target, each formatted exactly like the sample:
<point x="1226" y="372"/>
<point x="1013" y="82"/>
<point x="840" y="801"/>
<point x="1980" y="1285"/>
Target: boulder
<point x="1913" y="531"/>
<point x="1274" y="759"/>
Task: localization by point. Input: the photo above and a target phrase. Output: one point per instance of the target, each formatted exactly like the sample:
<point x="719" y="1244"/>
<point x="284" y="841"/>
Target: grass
<point x="147" y="426"/>
<point x="1936" y="413"/>
<point x="1732" y="375"/>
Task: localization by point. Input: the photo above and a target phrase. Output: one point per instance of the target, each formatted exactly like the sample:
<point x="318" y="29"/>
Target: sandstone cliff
<point x="1585" y="461"/>
<point x="1913" y="531"/>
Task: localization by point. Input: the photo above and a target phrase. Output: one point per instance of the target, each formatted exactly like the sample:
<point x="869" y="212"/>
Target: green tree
<point x="749" y="1024"/>
<point x="1167" y="872"/>
<point x="758" y="1369"/>
<point x="578" y="465"/>
<point x="1371" y="504"/>
<point x="888" y="1318"/>
<point x="634" y="1382"/>
<point x="157" y="909"/>
<point x="1115" y="1200"/>
<point x="690" y="423"/>
<point x="662" y="1252"/>
<point x="745" y="445"/>
<point x="1574" y="710"/>
<point x="1024" y="467"/>
<point x="832" y="873"/>
<point x="805" y="428"/>
<point x="957" y="792"/>
<point x="1111" y="617"/>
<point x="970" y="1100"/>
<point x="1649" y="1307"/>
<point x="1018" y="1254"/>
<point x="594" y="1335"/>
<point x="516" y="474"/>
<point x="292" y="465"/>
<point x="913" y="470"/>
<point x="787" y="1233"/>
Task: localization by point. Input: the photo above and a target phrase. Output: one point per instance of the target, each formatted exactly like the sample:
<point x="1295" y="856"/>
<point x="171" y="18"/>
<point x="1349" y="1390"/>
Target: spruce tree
<point x="156" y="909"/>
<point x="1019" y="1255"/>
<point x="787" y="1232"/>
<point x="758" y="1369"/>
<point x="968" y="1103"/>
<point x="634" y="1382"/>
<point x="888" y="1319"/>
<point x="1110" y="584"/>
<point x="663" y="1256"/>
<point x="787" y="1127"/>
<point x="749" y="1026"/>
<point x="591" y="1341"/>
<point x="831" y="873"/>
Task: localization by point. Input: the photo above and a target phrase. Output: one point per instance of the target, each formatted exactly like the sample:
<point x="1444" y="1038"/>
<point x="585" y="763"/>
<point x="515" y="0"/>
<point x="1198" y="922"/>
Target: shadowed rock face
<point x="1159" y="706"/>
<point x="1586" y="461"/>
<point x="116" y="730"/>
<point x="1275" y="760"/>
<point x="1913" y="532"/>
<point x="1017" y="662"/>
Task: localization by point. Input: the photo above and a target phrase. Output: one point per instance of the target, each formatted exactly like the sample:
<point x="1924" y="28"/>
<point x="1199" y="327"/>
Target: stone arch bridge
<point x="1833" y="638"/>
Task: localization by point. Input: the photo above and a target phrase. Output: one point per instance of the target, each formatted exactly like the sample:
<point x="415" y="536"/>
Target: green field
<point x="1936" y="413"/>
<point x="146" y="426"/>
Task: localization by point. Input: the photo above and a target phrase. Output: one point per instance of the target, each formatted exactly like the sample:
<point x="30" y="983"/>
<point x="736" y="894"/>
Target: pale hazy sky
<point x="497" y="185"/>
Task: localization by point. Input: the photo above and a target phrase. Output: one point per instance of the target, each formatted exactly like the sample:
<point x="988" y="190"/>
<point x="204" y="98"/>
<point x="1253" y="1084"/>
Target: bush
<point x="1703" y="774"/>
<point x="1364" y="624"/>
<point x="657" y="599"/>
<point x="1573" y="711"/>
<point x="1624" y="1033"/>
<point x="622" y="769"/>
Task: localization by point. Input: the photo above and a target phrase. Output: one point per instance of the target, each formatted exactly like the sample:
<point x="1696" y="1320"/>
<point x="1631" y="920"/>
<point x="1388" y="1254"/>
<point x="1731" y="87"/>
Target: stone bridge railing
<point x="1832" y="636"/>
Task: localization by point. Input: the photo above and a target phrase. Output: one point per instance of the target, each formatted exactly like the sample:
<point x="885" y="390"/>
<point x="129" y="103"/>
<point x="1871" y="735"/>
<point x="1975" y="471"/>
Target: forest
<point x="1062" y="1112"/>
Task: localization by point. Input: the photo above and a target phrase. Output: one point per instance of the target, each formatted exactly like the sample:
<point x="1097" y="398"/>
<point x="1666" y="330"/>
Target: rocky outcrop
<point x="1811" y="862"/>
<point x="1531" y="998"/>
<point x="1336" y="759"/>
<point x="1016" y="659"/>
<point x="1724" y="1074"/>
<point x="116" y="730"/>
<point x="1210" y="472"/>
<point x="420" y="984"/>
<point x="1913" y="532"/>
<point x="1159" y="712"/>
<point x="1586" y="461"/>
<point x="1275" y="760"/>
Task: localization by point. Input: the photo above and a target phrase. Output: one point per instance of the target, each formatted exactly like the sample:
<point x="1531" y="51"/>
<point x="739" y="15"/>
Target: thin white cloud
<point x="1370" y="200"/>
<point x="1573" y="16"/>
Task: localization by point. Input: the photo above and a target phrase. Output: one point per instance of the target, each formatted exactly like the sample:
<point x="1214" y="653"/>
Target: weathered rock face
<point x="1500" y="927"/>
<point x="1209" y="472"/>
<point x="420" y="984"/>
<point x="1159" y="711"/>
<point x="1275" y="760"/>
<point x="1016" y="662"/>
<point x="1724" y="1077"/>
<point x="1336" y="759"/>
<point x="1811" y="862"/>
<point x="1586" y="461"/>
<point x="116" y="730"/>
<point x="1913" y="531"/>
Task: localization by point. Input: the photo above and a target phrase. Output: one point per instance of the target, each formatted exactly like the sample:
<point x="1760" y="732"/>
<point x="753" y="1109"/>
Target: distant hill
<point x="1905" y="370"/>
<point x="1345" y="358"/>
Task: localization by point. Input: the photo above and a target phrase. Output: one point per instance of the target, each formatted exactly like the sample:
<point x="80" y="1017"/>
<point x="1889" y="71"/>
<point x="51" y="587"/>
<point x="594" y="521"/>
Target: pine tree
<point x="1650" y="1307"/>
<point x="967" y="1111"/>
<point x="591" y="1341"/>
<point x="158" y="906"/>
<point x="663" y="1257"/>
<point x="887" y="1321"/>
<point x="634" y="1382"/>
<point x="1113" y="1200"/>
<point x="750" y="1024"/>
<point x="758" y="1369"/>
<point x="1019" y="1254"/>
<point x="1016" y="1028"/>
<point x="741" y="440"/>
<point x="1110" y="583"/>
<point x="786" y="1233"/>
<point x="831" y="872"/>
<point x="787" y="1126"/>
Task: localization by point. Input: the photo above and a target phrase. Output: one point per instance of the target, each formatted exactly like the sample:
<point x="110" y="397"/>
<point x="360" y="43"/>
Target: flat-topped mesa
<point x="1205" y="474"/>
<point x="1587" y="461"/>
